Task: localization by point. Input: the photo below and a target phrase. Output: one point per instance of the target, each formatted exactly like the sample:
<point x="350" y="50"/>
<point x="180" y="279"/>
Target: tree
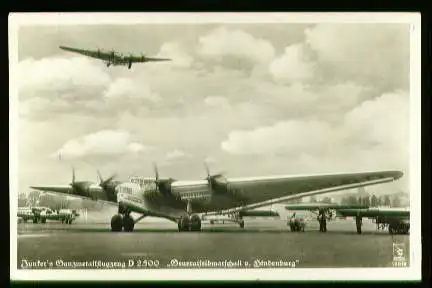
<point x="352" y="200"/>
<point x="374" y="201"/>
<point x="380" y="201"/>
<point x="22" y="200"/>
<point x="396" y="201"/>
<point x="344" y="201"/>
<point x="366" y="201"/>
<point x="387" y="201"/>
<point x="33" y="198"/>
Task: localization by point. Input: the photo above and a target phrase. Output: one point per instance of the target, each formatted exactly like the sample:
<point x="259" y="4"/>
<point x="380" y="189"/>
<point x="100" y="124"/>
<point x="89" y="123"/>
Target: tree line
<point x="370" y="201"/>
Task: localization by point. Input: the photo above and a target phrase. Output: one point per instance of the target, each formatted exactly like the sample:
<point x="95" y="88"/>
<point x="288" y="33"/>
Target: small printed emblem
<point x="399" y="259"/>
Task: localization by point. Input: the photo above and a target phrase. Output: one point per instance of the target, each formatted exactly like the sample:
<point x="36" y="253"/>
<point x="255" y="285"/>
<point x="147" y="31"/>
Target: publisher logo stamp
<point x="399" y="259"/>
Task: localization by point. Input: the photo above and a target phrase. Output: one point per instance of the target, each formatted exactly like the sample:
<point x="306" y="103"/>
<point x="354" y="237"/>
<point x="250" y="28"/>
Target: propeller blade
<point x="156" y="172"/>
<point x="207" y="169"/>
<point x="101" y="180"/>
<point x="73" y="176"/>
<point x="110" y="178"/>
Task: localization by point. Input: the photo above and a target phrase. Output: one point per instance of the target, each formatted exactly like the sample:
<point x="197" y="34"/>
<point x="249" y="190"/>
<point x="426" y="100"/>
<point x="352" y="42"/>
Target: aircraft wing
<point x="317" y="206"/>
<point x="62" y="189"/>
<point x="265" y="191"/>
<point x="139" y="59"/>
<point x="375" y="212"/>
<point x="90" y="53"/>
<point x="66" y="190"/>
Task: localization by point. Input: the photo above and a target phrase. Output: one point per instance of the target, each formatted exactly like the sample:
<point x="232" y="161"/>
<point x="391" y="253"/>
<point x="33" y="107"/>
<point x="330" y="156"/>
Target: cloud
<point x="175" y="52"/>
<point x="176" y="154"/>
<point x="293" y="65"/>
<point x="126" y="88"/>
<point x="284" y="137"/>
<point x="60" y="77"/>
<point x="102" y="143"/>
<point x="215" y="101"/>
<point x="373" y="133"/>
<point x="244" y="94"/>
<point x="230" y="42"/>
<point x="363" y="52"/>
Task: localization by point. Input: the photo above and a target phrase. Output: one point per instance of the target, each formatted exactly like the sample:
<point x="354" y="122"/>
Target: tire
<point x="128" y="223"/>
<point x="116" y="223"/>
<point x="195" y="223"/>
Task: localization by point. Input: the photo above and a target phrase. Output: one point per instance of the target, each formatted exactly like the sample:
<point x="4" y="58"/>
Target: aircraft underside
<point x="123" y="221"/>
<point x="129" y="64"/>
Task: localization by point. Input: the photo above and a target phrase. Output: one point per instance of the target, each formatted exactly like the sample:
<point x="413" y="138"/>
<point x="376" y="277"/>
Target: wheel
<point x="184" y="224"/>
<point x="241" y="224"/>
<point x="195" y="223"/>
<point x="128" y="223"/>
<point x="116" y="223"/>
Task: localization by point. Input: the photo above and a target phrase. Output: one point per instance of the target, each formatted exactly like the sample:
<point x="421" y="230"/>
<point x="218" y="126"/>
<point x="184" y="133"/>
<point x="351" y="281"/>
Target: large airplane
<point x="42" y="214"/>
<point x="396" y="219"/>
<point x="187" y="203"/>
<point x="114" y="58"/>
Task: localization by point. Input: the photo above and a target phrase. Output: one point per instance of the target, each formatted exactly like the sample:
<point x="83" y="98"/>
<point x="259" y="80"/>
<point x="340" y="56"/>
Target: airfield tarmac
<point x="271" y="240"/>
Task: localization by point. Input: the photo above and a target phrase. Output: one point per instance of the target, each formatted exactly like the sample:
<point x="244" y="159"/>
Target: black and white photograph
<point x="215" y="146"/>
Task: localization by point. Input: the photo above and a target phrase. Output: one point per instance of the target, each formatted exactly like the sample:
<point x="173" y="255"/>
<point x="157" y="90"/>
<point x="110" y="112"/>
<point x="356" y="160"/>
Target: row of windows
<point x="194" y="195"/>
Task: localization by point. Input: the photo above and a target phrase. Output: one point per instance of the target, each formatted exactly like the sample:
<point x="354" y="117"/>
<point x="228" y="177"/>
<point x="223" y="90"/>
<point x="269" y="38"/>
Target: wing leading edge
<point x="264" y="191"/>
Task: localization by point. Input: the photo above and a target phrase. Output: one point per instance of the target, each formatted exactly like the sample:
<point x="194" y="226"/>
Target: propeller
<point x="157" y="182"/>
<point x="211" y="178"/>
<point x="104" y="182"/>
<point x="162" y="186"/>
<point x="72" y="184"/>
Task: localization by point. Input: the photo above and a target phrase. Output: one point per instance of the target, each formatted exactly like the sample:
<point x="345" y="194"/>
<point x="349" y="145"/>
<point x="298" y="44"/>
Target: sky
<point x="248" y="99"/>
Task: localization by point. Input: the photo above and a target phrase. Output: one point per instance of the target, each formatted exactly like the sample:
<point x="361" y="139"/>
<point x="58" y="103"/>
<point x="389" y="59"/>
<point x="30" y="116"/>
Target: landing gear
<point x="116" y="223"/>
<point x="128" y="223"/>
<point x="123" y="221"/>
<point x="189" y="223"/>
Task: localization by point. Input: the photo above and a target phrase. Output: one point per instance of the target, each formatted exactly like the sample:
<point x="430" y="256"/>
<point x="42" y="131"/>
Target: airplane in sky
<point x="42" y="214"/>
<point x="114" y="58"/>
<point x="396" y="219"/>
<point x="187" y="203"/>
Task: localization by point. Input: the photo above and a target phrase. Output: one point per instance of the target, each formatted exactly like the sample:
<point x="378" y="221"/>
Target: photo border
<point x="310" y="274"/>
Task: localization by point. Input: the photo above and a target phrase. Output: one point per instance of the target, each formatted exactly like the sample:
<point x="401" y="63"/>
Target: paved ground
<point x="271" y="240"/>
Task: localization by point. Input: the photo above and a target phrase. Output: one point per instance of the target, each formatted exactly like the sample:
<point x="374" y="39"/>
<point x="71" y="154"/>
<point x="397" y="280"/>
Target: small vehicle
<point x="297" y="224"/>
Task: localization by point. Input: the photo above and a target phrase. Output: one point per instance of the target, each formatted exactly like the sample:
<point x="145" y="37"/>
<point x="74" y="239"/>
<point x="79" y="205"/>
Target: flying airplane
<point x="42" y="214"/>
<point x="396" y="219"/>
<point x="114" y="58"/>
<point x="188" y="202"/>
